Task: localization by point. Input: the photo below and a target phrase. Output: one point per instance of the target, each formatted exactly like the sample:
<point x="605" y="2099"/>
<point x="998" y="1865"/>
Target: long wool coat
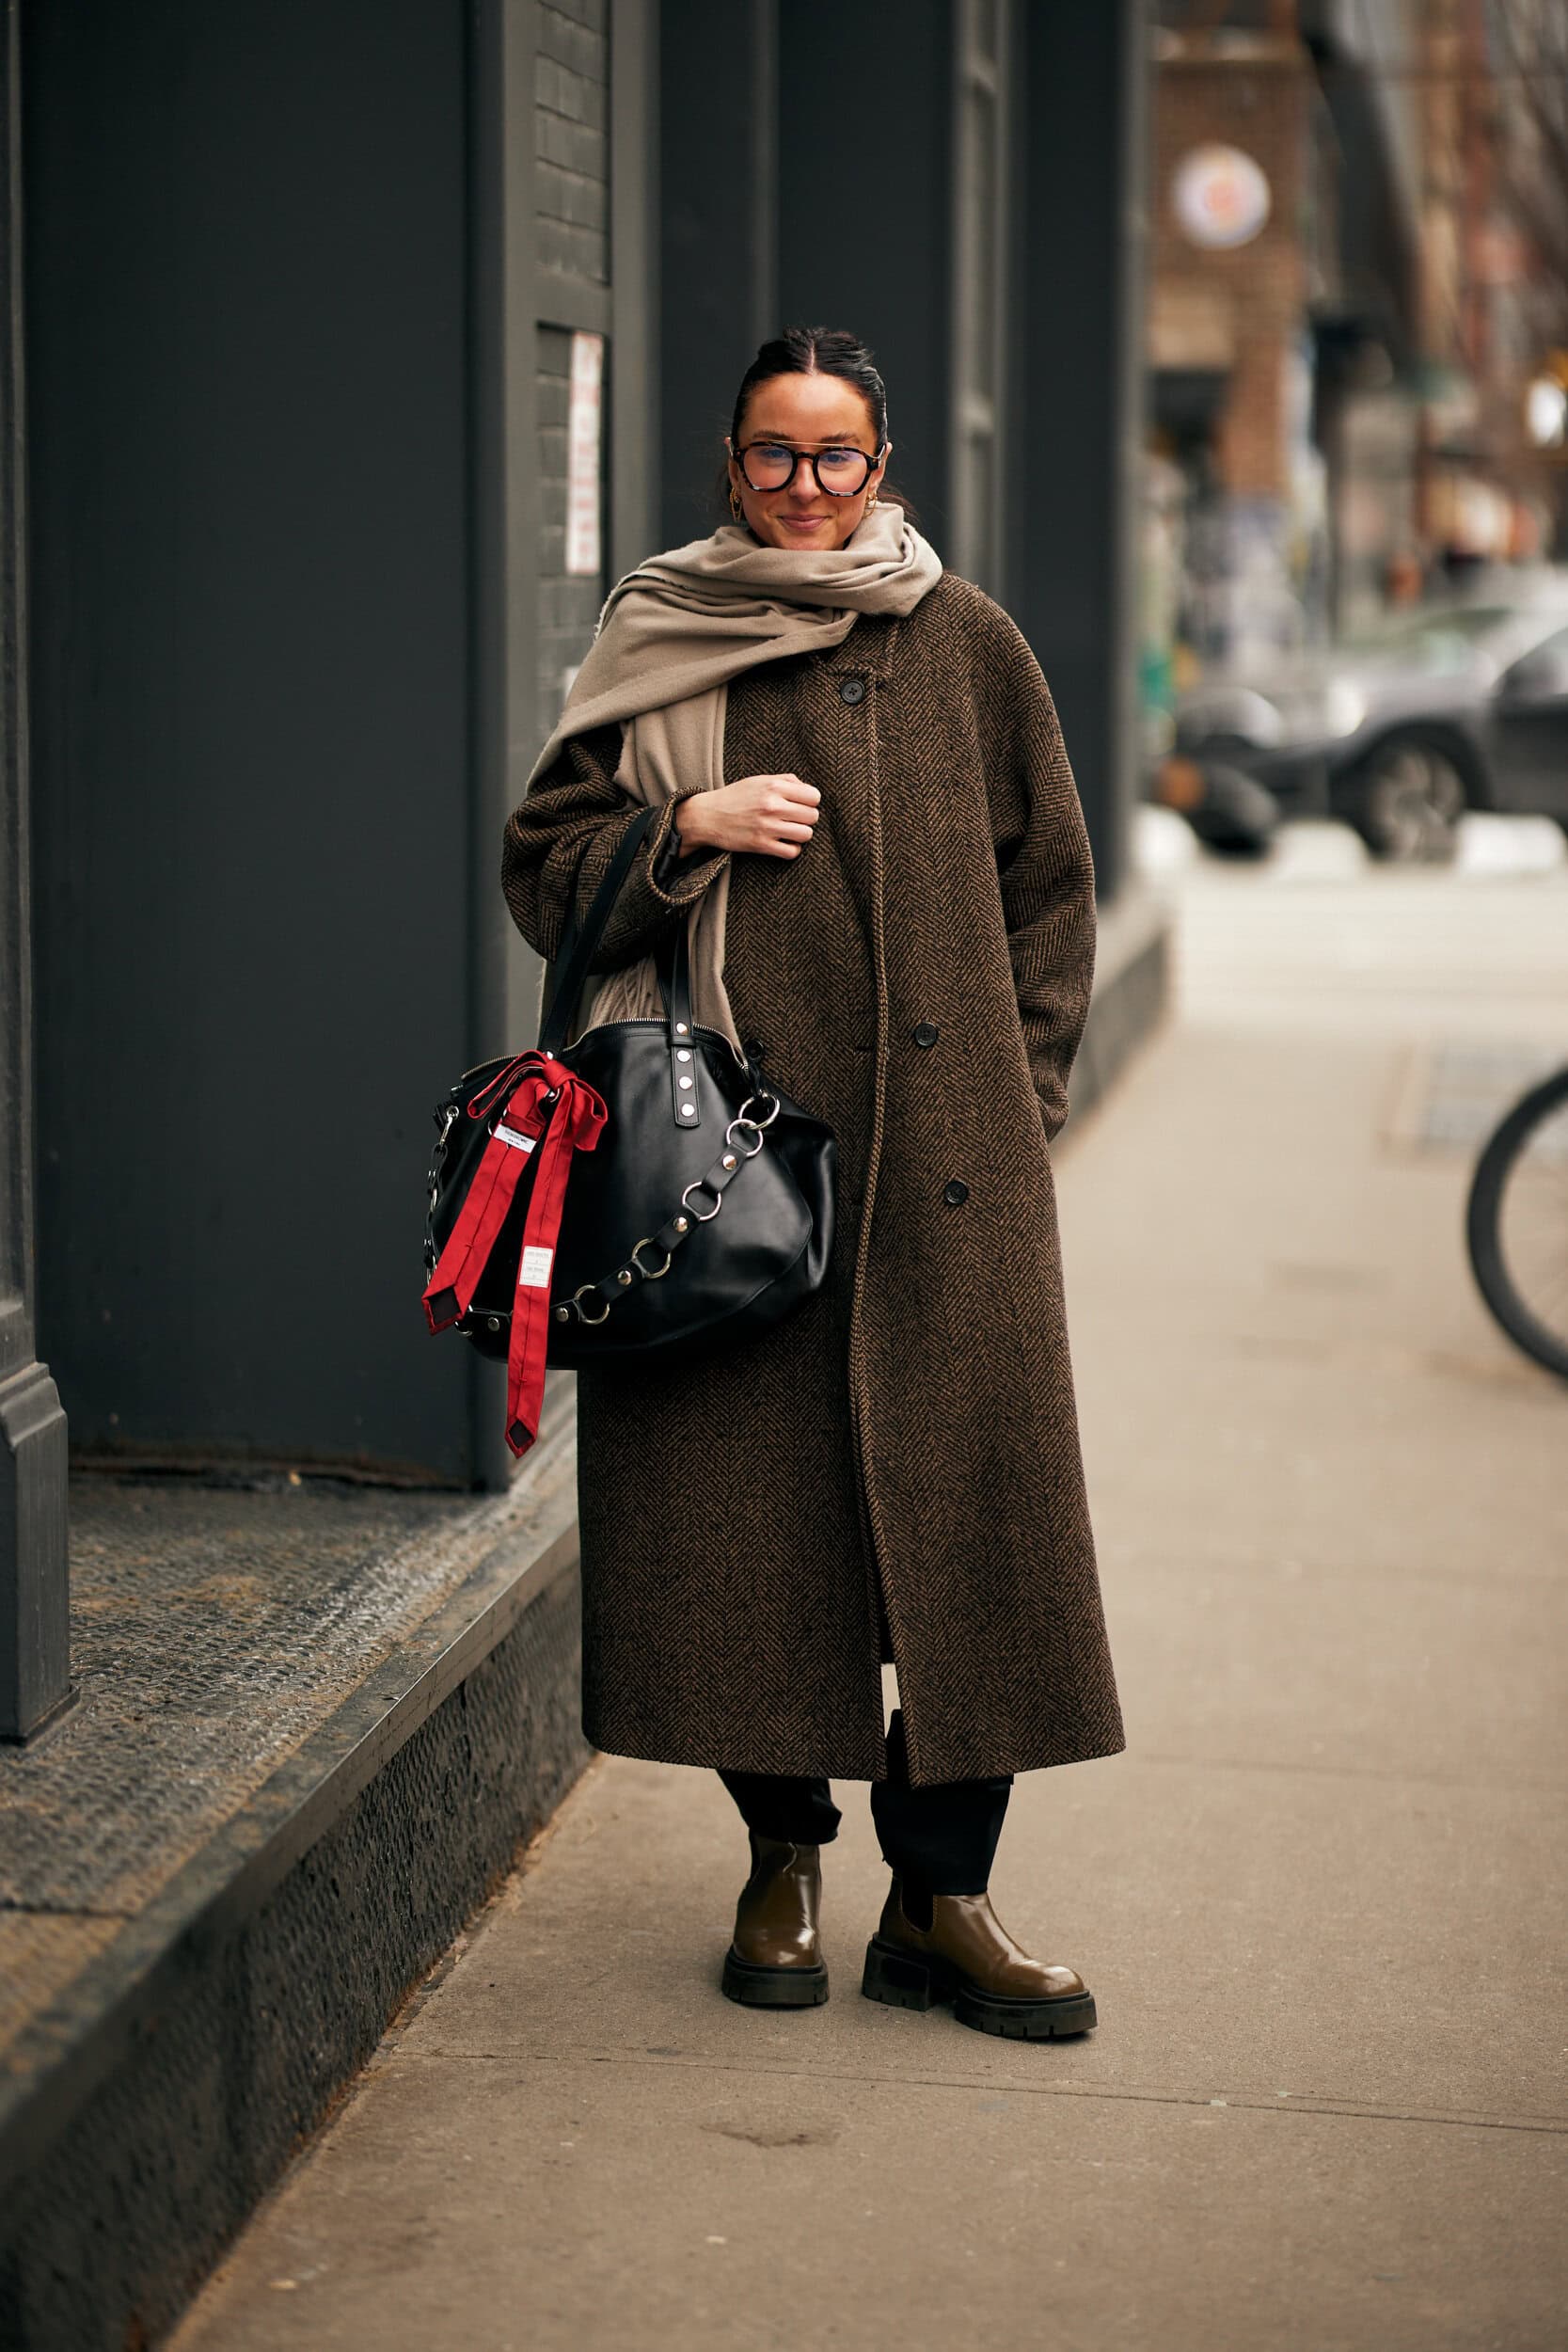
<point x="918" y="977"/>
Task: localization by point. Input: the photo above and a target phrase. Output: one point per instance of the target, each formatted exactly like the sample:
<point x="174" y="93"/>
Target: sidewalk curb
<point x="1132" y="991"/>
<point x="144" y="2112"/>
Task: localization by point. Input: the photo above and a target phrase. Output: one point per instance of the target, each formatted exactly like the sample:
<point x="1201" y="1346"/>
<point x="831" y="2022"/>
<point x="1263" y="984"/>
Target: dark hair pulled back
<point x="818" y="351"/>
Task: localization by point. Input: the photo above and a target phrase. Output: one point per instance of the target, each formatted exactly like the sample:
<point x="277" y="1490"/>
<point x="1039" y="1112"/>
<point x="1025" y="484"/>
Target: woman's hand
<point x="771" y="813"/>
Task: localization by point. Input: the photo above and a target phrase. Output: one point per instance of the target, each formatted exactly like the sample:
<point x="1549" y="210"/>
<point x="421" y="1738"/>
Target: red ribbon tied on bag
<point x="548" y="1112"/>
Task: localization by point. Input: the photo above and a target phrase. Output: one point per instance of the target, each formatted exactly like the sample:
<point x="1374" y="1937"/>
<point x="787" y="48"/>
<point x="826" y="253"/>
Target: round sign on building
<point x="1220" y="196"/>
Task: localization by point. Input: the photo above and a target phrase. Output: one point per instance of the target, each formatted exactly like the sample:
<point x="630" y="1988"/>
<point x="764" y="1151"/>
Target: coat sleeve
<point x="559" y="845"/>
<point x="1044" y="867"/>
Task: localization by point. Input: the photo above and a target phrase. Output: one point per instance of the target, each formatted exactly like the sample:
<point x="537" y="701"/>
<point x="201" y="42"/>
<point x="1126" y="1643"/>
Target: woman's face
<point x="805" y="412"/>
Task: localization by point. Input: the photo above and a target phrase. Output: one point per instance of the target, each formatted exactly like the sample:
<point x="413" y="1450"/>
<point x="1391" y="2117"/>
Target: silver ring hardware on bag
<point x="712" y="1184"/>
<point x="701" y="1183"/>
<point x="747" y="1151"/>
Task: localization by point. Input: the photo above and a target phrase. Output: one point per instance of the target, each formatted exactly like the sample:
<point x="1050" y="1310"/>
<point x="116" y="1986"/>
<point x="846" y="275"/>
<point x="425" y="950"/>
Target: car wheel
<point x="1405" y="800"/>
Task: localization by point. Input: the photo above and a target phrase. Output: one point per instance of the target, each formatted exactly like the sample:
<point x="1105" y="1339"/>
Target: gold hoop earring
<point x="735" y="507"/>
<point x="871" y="501"/>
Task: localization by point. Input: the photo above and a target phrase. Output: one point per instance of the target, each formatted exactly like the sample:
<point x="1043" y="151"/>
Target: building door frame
<point x="35" y="1642"/>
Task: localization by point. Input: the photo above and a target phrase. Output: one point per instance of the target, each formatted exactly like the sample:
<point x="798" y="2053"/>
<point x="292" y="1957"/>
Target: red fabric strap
<point x="550" y="1113"/>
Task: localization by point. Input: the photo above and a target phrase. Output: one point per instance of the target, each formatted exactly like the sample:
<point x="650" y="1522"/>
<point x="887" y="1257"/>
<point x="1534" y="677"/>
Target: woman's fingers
<point x="773" y="815"/>
<point x="780" y="837"/>
<point x="776" y="814"/>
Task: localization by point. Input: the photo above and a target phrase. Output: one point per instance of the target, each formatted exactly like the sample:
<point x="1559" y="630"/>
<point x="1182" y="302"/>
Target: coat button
<point x="956" y="1193"/>
<point x="852" y="690"/>
<point x="926" y="1034"/>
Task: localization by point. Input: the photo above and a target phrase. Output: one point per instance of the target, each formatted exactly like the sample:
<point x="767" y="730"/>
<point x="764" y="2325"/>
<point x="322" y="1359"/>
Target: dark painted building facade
<point x="298" y="560"/>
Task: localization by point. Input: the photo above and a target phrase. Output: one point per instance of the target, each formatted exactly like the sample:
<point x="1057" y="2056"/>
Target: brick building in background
<point x="1236" y="264"/>
<point x="1326" y="320"/>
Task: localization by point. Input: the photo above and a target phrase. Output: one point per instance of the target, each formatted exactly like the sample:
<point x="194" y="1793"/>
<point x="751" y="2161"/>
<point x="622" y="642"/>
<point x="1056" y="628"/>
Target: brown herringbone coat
<point x="913" y="1427"/>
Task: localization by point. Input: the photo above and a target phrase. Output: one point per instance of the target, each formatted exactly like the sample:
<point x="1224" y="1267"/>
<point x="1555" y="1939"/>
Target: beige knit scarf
<point x="670" y="638"/>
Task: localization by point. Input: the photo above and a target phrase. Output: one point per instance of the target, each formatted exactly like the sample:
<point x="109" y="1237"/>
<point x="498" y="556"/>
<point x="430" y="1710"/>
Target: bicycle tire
<point x="1484" y="1224"/>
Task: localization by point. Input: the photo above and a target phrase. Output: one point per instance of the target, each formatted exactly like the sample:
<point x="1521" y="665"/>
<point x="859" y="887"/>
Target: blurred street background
<point x="352" y="350"/>
<point x="1353" y="598"/>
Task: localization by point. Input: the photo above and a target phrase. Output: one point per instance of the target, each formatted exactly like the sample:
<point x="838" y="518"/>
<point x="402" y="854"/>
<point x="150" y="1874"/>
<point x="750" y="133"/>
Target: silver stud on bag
<point x="623" y="1279"/>
<point x="683" y="1224"/>
<point x="688" y="1110"/>
<point x="684" y="1053"/>
<point x="688" y="1082"/>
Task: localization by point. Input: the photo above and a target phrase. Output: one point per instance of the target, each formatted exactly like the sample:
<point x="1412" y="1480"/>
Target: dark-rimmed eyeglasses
<point x="839" y="473"/>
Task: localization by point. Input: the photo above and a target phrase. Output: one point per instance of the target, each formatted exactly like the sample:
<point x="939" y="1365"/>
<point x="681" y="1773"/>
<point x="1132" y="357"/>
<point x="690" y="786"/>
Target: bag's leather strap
<point x="580" y="941"/>
<point x="674" y="981"/>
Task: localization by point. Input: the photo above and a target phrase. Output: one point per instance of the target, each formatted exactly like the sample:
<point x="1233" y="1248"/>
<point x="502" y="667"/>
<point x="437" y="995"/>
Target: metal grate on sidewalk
<point x="1449" y="1096"/>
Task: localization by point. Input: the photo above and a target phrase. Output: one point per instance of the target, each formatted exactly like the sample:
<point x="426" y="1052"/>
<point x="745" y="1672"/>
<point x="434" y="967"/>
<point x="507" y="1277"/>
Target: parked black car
<point x="1461" y="708"/>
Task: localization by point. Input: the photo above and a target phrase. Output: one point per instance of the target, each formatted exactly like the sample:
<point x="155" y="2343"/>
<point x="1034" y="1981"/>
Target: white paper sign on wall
<point x="584" y="422"/>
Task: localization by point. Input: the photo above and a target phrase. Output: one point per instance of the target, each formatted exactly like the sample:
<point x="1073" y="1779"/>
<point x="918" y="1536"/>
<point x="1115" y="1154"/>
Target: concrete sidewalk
<point x="1320" y="1901"/>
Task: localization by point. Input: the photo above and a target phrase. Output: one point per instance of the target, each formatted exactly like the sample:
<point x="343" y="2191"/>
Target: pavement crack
<point x="1202" y="2101"/>
<point x="1392" y="1776"/>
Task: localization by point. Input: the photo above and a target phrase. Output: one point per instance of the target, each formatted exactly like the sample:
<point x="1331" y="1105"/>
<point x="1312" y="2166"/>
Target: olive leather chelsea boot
<point x="776" y="1958"/>
<point x="963" y="1954"/>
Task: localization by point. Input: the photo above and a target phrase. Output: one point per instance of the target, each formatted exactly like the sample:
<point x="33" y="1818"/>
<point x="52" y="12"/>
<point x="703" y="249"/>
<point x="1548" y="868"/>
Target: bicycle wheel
<point x="1517" y="1223"/>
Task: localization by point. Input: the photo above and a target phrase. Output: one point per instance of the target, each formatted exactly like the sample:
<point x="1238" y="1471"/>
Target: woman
<point x="869" y="823"/>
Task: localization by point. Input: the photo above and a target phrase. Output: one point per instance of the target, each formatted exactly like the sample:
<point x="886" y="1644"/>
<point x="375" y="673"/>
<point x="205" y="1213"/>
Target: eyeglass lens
<point x="840" y="473"/>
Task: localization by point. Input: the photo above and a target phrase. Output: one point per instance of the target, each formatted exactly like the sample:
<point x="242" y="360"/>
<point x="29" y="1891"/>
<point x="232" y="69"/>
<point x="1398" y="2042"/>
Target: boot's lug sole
<point x="901" y="1979"/>
<point x="772" y="1988"/>
<point x="1026" y="2021"/>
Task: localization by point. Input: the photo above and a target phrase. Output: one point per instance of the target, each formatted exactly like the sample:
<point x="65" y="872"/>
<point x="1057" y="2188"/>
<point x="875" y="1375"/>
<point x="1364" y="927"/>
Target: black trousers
<point x="940" y="1840"/>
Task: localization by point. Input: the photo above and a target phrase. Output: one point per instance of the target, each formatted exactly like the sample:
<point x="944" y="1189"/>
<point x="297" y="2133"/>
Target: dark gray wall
<point x="1073" y="470"/>
<point x="247" y="342"/>
<point x="780" y="207"/>
<point x="864" y="210"/>
<point x="718" y="234"/>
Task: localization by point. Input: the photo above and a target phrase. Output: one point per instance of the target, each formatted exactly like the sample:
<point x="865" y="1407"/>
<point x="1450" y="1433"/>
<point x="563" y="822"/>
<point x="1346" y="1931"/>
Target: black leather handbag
<point x="702" y="1211"/>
